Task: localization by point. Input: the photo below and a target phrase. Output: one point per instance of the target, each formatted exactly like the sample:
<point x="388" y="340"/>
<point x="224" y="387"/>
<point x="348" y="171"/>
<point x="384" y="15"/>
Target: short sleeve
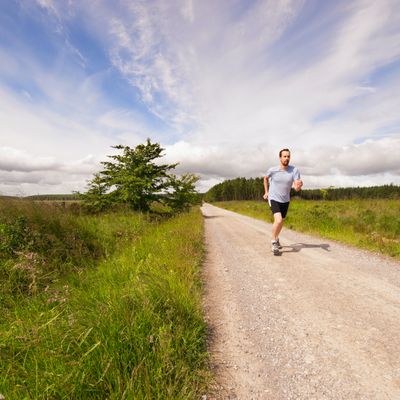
<point x="269" y="173"/>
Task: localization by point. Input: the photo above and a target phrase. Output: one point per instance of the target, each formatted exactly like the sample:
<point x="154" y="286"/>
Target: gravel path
<point x="321" y="321"/>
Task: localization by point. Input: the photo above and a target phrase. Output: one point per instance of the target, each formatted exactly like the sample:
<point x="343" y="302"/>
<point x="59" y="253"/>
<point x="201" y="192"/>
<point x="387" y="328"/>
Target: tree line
<point x="53" y="197"/>
<point x="253" y="189"/>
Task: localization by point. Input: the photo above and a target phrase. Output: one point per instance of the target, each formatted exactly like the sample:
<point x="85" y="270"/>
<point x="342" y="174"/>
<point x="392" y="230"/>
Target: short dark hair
<point x="280" y="153"/>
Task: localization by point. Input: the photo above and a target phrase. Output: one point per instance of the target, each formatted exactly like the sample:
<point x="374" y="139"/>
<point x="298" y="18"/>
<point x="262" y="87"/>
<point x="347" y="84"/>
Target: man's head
<point x="284" y="157"/>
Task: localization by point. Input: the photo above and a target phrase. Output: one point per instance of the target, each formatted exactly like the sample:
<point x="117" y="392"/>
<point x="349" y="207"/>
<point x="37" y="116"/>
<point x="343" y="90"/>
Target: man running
<point x="277" y="184"/>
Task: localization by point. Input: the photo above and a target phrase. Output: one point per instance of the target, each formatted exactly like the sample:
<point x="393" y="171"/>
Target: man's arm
<point x="297" y="185"/>
<point x="297" y="182"/>
<point x="266" y="185"/>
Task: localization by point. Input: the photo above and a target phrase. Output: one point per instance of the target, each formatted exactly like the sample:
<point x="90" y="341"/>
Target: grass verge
<point x="370" y="224"/>
<point x="129" y="328"/>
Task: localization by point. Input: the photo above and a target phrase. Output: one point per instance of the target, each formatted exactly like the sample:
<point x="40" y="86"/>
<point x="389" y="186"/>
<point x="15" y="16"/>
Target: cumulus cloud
<point x="17" y="160"/>
<point x="371" y="157"/>
<point x="22" y="174"/>
<point x="220" y="160"/>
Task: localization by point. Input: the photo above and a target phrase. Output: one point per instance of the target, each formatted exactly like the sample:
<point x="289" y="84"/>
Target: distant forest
<point x="56" y="197"/>
<point x="253" y="189"/>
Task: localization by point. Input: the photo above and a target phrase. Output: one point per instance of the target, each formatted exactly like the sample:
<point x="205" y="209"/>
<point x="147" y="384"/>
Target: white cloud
<point x="187" y="11"/>
<point x="371" y="157"/>
<point x="232" y="86"/>
<point x="37" y="143"/>
<point x="141" y="51"/>
<point x="17" y="160"/>
<point x="22" y="173"/>
<point x="218" y="161"/>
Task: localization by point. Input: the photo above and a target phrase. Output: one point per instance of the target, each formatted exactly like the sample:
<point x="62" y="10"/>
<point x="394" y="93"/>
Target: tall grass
<point x="127" y="327"/>
<point x="39" y="244"/>
<point x="371" y="224"/>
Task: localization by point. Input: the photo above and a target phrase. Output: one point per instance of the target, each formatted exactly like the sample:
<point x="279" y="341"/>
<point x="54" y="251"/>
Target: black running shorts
<point x="277" y="207"/>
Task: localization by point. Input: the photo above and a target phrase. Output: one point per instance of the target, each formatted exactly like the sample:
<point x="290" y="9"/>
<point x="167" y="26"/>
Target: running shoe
<point x="275" y="247"/>
<point x="279" y="243"/>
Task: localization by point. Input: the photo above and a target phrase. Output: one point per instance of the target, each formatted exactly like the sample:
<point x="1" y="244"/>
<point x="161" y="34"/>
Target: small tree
<point x="133" y="178"/>
<point x="183" y="193"/>
<point x="96" y="196"/>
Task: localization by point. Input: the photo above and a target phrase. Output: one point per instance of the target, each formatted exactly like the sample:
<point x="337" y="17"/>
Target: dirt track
<point x="321" y="321"/>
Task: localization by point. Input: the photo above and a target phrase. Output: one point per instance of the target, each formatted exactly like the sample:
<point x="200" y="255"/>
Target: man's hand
<point x="297" y="184"/>
<point x="265" y="196"/>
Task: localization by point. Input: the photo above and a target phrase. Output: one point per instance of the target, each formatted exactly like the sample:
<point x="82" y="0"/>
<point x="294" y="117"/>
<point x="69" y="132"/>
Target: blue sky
<point x="223" y="86"/>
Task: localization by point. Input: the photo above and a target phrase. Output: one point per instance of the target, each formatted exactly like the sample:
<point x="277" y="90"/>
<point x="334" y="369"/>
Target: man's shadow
<point x="296" y="247"/>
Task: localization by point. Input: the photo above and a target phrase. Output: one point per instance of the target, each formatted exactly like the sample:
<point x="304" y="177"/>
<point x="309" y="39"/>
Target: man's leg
<point x="279" y="211"/>
<point x="277" y="226"/>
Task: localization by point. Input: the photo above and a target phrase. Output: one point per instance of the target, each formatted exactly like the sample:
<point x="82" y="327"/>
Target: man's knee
<point x="278" y="218"/>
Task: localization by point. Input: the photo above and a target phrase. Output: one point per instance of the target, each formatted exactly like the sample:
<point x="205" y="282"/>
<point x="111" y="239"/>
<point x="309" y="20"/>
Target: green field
<point x="100" y="306"/>
<point x="369" y="224"/>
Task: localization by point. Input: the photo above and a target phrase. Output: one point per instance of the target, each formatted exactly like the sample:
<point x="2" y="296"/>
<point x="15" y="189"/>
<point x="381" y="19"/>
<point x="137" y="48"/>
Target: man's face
<point x="285" y="158"/>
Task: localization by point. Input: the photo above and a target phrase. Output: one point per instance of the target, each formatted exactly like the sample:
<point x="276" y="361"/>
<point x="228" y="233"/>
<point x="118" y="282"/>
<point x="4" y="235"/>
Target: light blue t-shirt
<point x="280" y="182"/>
